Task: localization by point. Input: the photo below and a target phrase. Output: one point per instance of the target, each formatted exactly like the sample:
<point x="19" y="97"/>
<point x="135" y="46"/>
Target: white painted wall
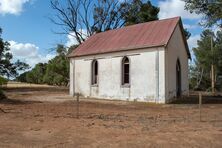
<point x="176" y="50"/>
<point x="71" y="77"/>
<point x="147" y="76"/>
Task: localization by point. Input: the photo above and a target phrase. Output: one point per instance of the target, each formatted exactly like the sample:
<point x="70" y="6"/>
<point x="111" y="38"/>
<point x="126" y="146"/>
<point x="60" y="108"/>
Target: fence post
<point x="200" y="103"/>
<point x="77" y="105"/>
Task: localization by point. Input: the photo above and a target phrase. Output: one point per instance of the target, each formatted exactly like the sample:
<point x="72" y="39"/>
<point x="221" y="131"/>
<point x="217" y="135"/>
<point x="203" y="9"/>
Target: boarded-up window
<point x="94" y="72"/>
<point x="125" y="71"/>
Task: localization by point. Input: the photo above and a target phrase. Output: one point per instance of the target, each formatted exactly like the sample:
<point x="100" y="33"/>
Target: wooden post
<point x="200" y="103"/>
<point x="212" y="80"/>
<point x="77" y="106"/>
<point x="212" y="69"/>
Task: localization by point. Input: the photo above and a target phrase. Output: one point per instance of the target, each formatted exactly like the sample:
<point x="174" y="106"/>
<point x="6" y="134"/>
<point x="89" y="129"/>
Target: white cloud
<point x="21" y="50"/>
<point x="216" y="28"/>
<point x="189" y="26"/>
<point x="12" y="6"/>
<point x="172" y="8"/>
<point x="192" y="41"/>
<point x="39" y="59"/>
<point x="71" y="39"/>
<point x="28" y="53"/>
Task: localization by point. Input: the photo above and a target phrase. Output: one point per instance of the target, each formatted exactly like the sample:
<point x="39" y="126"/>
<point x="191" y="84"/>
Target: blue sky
<point x="26" y="26"/>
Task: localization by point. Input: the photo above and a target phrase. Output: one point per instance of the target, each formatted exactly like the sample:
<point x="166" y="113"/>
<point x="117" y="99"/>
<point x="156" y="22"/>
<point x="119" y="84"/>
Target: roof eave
<point x="126" y="49"/>
<point x="184" y="38"/>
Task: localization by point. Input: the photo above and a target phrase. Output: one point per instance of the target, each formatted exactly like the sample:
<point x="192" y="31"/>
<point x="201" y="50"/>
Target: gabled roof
<point x="144" y="35"/>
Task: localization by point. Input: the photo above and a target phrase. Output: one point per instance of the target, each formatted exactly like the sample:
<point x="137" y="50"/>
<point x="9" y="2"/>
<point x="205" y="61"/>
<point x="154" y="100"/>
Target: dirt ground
<point x="46" y="117"/>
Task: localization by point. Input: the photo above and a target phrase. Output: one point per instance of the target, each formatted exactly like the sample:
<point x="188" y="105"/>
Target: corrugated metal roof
<point x="150" y="34"/>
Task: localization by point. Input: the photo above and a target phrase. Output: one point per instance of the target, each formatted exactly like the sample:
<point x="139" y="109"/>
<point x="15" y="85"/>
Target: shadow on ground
<point x="17" y="102"/>
<point x="27" y="89"/>
<point x="194" y="99"/>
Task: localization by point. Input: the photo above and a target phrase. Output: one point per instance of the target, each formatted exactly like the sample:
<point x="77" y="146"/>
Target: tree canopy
<point x="57" y="69"/>
<point x="140" y="12"/>
<point x="210" y="9"/>
<point x="7" y="67"/>
<point x="205" y="55"/>
<point x="82" y="18"/>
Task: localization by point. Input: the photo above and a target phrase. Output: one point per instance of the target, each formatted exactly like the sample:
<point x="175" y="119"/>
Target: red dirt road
<point x="41" y="117"/>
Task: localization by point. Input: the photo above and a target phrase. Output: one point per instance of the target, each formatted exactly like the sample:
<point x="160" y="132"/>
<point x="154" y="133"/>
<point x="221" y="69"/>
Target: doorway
<point x="178" y="79"/>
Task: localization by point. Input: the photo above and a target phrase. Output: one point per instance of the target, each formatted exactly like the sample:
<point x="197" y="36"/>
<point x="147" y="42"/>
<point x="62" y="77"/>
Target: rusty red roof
<point x="144" y="35"/>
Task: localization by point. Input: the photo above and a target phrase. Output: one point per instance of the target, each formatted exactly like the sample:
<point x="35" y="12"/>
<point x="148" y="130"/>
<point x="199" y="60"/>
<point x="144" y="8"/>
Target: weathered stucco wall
<point x="147" y="76"/>
<point x="71" y="77"/>
<point x="176" y="50"/>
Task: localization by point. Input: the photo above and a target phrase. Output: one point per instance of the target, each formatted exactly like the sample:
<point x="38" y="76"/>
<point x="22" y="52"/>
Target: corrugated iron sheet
<point x="151" y="34"/>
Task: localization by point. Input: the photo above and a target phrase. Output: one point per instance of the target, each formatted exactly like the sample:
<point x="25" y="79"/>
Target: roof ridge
<point x="125" y="27"/>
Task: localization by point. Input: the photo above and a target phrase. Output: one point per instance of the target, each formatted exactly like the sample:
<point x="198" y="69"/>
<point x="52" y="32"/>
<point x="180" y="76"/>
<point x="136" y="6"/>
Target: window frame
<point x="123" y="83"/>
<point x="94" y="73"/>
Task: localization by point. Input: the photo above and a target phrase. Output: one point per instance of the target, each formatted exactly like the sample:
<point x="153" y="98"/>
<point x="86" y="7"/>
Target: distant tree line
<point x="55" y="72"/>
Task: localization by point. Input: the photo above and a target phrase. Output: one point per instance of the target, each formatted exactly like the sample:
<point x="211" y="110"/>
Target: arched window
<point x="94" y="72"/>
<point x="125" y="71"/>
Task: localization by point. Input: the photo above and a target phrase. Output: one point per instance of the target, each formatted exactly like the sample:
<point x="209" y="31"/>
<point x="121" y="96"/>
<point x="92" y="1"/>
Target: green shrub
<point x="3" y="81"/>
<point x="2" y="95"/>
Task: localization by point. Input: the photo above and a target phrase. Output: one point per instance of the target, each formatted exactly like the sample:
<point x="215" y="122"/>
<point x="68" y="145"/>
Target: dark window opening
<point x="125" y="71"/>
<point x="178" y="79"/>
<point x="94" y="72"/>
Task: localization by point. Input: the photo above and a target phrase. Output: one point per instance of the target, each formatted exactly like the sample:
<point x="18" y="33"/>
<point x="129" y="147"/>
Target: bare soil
<point x="46" y="117"/>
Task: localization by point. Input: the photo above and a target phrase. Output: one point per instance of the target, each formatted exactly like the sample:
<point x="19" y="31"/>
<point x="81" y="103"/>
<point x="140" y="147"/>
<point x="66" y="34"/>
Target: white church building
<point x="144" y="62"/>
